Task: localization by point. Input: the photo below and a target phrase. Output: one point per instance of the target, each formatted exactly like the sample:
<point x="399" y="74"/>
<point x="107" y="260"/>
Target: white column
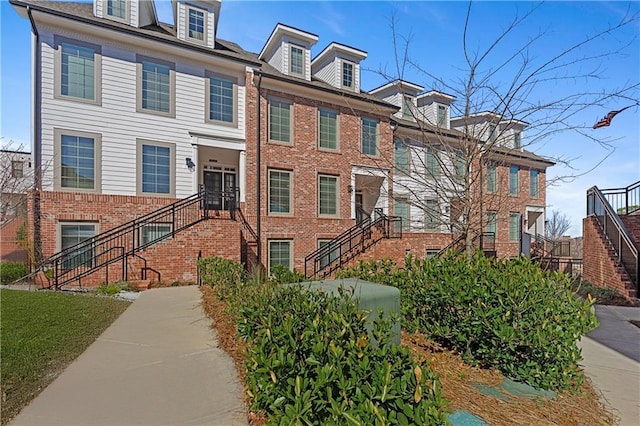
<point x="242" y="174"/>
<point x="196" y="171"/>
<point x="352" y="196"/>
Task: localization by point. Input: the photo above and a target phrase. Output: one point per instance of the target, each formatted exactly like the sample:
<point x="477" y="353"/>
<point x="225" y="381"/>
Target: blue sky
<point x="435" y="32"/>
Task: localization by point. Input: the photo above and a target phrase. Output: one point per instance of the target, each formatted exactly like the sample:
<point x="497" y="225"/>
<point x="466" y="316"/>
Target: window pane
<point x="491" y="177"/>
<point x="154" y="232"/>
<point x="328" y="131"/>
<point x="491" y="222"/>
<point x="402" y="156"/>
<point x="77" y="162"/>
<point x="156" y="169"/>
<point x="78" y="71"/>
<point x="73" y="234"/>
<point x="279" y="192"/>
<point x="332" y="253"/>
<point x="514" y="227"/>
<point x="279" y="254"/>
<point x="433" y="167"/>
<point x="297" y="61"/>
<point x="513" y="180"/>
<point x="369" y="136"/>
<point x="117" y="8"/>
<point x="492" y="132"/>
<point x="461" y="166"/>
<point x="196" y="24"/>
<point x="221" y="101"/>
<point x="407" y="107"/>
<point x="533" y="183"/>
<point x="156" y="87"/>
<point x="347" y="74"/>
<point x="442" y="116"/>
<point x="279" y="121"/>
<point x="432" y="215"/>
<point x="328" y="190"/>
<point x="401" y="208"/>
<point x="517" y="140"/>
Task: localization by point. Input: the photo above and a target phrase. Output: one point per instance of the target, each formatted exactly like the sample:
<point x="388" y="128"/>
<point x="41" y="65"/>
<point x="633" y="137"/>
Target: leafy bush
<point x="219" y="271"/>
<point x="509" y="315"/>
<point x="280" y="274"/>
<point x="310" y="361"/>
<point x="11" y="271"/>
<point x="108" y="289"/>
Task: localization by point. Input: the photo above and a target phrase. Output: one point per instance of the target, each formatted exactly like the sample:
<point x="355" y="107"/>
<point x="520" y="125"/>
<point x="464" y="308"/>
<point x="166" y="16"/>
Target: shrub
<point x="11" y="271"/>
<point x="219" y="271"/>
<point x="310" y="360"/>
<point x="108" y="289"/>
<point x="280" y="274"/>
<point x="509" y="315"/>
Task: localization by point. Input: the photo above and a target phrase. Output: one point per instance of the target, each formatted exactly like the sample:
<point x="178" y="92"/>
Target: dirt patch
<point x="457" y="378"/>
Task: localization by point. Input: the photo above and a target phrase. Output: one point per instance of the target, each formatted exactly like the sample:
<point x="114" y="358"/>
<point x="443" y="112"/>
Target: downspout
<point x="37" y="139"/>
<point x="258" y="177"/>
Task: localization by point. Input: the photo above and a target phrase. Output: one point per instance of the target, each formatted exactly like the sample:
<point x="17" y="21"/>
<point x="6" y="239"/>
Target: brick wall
<point x="599" y="264"/>
<point x="632" y="223"/>
<point x="174" y="258"/>
<point x="10" y="248"/>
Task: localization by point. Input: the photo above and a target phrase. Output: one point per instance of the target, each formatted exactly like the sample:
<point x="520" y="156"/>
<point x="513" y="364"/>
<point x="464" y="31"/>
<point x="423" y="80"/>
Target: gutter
<point x="258" y="177"/>
<point x="36" y="149"/>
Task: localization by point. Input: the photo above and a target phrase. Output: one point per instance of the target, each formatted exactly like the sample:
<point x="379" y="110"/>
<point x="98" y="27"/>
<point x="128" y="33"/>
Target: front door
<point x="220" y="188"/>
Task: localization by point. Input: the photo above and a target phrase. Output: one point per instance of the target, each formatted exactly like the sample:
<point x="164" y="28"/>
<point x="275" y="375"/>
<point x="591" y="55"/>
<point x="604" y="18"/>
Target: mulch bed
<point x="456" y="377"/>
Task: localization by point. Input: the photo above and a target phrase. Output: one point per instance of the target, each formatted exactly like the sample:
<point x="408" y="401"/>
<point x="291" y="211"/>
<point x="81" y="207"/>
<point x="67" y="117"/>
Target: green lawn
<point x="42" y="332"/>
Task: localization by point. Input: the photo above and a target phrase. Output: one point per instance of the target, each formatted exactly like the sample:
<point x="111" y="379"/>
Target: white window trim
<point x="337" y="148"/>
<point x="205" y="33"/>
<point x="291" y="124"/>
<point x="57" y="163"/>
<point x="172" y="168"/>
<point x="304" y="60"/>
<point x="127" y="17"/>
<point x="290" y="173"/>
<point x="353" y="77"/>
<point x="207" y="99"/>
<point x="172" y="86"/>
<point x="274" y="240"/>
<point x="97" y="67"/>
<point x="337" y="180"/>
<point x="377" y="142"/>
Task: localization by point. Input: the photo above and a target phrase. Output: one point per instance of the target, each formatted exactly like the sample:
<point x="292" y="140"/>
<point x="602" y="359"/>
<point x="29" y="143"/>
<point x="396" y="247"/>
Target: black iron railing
<point x="550" y="247"/>
<point x="624" y="200"/>
<point x="625" y="248"/>
<point x="124" y="241"/>
<point x="355" y="240"/>
<point x="485" y="241"/>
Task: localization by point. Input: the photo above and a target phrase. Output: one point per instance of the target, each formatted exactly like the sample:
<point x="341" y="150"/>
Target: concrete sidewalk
<point x="612" y="360"/>
<point x="157" y="364"/>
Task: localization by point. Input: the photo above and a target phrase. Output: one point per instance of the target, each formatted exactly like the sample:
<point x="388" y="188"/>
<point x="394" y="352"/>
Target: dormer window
<point x="117" y="9"/>
<point x="296" y="60"/>
<point x="407" y="107"/>
<point x="517" y="140"/>
<point x="348" y="81"/>
<point x="442" y="116"/>
<point x="196" y="24"/>
<point x="492" y="132"/>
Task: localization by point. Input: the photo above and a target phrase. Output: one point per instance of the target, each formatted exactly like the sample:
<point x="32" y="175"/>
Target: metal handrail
<point x="625" y="200"/>
<point x="457" y="246"/>
<point x="625" y="248"/>
<point x="558" y="248"/>
<point x="94" y="253"/>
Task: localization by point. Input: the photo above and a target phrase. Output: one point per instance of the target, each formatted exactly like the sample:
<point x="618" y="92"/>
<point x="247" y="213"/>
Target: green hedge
<point x="11" y="271"/>
<point x="311" y="361"/>
<point x="506" y="314"/>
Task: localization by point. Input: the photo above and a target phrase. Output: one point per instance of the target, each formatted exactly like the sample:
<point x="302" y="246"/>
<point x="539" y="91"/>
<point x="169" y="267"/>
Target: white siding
<point x="277" y="59"/>
<point x="121" y="125"/>
<point x="146" y="13"/>
<point x="326" y="71"/>
<point x="134" y="13"/>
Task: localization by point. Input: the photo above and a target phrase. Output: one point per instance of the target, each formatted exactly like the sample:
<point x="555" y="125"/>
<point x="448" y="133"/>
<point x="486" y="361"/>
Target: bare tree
<point x="557" y="224"/>
<point x="504" y="89"/>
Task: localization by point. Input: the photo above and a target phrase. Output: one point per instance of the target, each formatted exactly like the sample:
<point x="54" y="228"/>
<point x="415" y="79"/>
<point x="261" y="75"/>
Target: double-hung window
<point x="407" y="107"/>
<point x="279" y="254"/>
<point x="442" y="116"/>
<point x="517" y="140"/>
<point x="280" y="120"/>
<point x="156" y="86"/>
<point x="460" y="166"/>
<point x="348" y="80"/>
<point x="296" y="60"/>
<point x="432" y="215"/>
<point x="493" y="133"/>
<point x="433" y="165"/>
<point x="116" y="9"/>
<point x="331" y="252"/>
<point x="401" y="156"/>
<point x="222" y="97"/>
<point x="369" y="136"/>
<point x="77" y="160"/>
<point x="402" y="209"/>
<point x="156" y="168"/>
<point x="72" y="234"/>
<point x="533" y="183"/>
<point x="327" y="195"/>
<point x="279" y="192"/>
<point x="328" y="129"/>
<point x="491" y="228"/>
<point x="513" y="180"/>
<point x="78" y="71"/>
<point x="492" y="177"/>
<point x="514" y="226"/>
<point x="196" y="24"/>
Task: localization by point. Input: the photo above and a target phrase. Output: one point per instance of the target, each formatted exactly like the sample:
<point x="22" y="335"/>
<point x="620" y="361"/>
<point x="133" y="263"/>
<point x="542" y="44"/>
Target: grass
<point x="42" y="333"/>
